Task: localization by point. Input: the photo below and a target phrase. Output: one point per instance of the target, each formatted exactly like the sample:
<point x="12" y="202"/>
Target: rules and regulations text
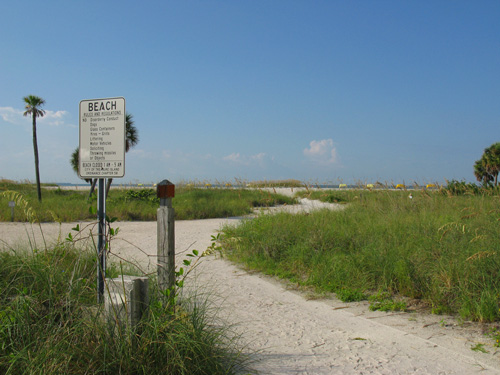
<point x="102" y="138"/>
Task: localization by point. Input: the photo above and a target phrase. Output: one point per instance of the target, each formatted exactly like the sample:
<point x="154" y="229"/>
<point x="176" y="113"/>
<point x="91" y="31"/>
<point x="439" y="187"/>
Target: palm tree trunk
<point x="92" y="187"/>
<point x="37" y="168"/>
<point x="108" y="186"/>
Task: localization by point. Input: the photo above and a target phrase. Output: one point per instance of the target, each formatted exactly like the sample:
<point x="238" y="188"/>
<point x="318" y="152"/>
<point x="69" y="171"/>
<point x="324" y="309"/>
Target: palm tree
<point x="480" y="172"/>
<point x="492" y="161"/>
<point x="74" y="161"/>
<point x="131" y="134"/>
<point x="487" y="168"/>
<point x="131" y="139"/>
<point x="33" y="104"/>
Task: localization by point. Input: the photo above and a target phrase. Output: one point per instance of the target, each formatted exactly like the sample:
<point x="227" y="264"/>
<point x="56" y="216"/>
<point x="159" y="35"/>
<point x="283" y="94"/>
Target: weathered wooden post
<point x="165" y="190"/>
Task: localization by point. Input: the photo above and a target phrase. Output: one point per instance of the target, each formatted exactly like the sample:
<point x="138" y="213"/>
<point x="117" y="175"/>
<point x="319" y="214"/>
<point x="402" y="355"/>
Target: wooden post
<point x="165" y="190"/>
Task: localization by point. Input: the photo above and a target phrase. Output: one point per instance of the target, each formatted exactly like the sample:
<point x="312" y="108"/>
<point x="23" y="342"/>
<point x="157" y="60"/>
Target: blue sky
<point x="321" y="91"/>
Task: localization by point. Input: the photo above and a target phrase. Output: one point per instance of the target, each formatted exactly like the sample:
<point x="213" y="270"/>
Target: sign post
<point x="101" y="241"/>
<point x="102" y="155"/>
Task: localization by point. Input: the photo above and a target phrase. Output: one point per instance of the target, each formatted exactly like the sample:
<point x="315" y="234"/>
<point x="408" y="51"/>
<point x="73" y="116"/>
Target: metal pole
<point x="101" y="242"/>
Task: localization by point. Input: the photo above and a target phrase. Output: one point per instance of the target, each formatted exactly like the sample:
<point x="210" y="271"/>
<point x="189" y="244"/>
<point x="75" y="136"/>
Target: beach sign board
<point x="102" y="138"/>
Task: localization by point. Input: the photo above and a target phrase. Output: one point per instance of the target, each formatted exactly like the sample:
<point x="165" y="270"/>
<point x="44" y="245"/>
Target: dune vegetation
<point x="138" y="204"/>
<point x="440" y="247"/>
<point x="392" y="247"/>
<point x="50" y="324"/>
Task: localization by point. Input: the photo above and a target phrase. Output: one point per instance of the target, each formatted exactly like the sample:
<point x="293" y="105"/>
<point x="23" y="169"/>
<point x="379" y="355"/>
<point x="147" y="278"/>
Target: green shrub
<point x="350" y="295"/>
<point x="455" y="187"/>
<point x="384" y="301"/>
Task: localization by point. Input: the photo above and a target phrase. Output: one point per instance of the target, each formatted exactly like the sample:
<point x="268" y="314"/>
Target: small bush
<point x="148" y="195"/>
<point x="384" y="301"/>
<point x="460" y="188"/>
<point x="350" y="295"/>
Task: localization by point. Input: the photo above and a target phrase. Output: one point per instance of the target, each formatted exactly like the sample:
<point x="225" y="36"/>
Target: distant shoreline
<point x="279" y="190"/>
<point x="271" y="184"/>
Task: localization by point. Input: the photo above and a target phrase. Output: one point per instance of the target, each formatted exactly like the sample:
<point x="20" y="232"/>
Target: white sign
<point x="102" y="138"/>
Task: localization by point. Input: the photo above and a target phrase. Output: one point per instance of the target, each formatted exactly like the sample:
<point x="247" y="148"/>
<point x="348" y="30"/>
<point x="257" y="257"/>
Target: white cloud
<point x="54" y="118"/>
<point x="259" y="157"/>
<point x="321" y="152"/>
<point x="236" y="157"/>
<point x="9" y="114"/>
<point x="51" y="118"/>
<point x="181" y="165"/>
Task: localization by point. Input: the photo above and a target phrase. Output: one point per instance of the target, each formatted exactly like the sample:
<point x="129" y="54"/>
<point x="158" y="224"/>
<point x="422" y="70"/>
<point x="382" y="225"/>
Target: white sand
<point x="294" y="335"/>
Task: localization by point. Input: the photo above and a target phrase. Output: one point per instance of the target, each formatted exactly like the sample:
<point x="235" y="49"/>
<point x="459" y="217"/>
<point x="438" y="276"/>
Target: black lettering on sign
<point x="96" y="106"/>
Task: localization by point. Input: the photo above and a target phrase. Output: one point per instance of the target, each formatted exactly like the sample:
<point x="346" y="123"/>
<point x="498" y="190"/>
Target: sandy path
<point x="298" y="336"/>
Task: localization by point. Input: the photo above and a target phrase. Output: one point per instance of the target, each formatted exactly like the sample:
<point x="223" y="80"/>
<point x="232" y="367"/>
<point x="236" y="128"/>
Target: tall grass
<point x="49" y="324"/>
<point x="276" y="183"/>
<point x="438" y="247"/>
<point x="138" y="204"/>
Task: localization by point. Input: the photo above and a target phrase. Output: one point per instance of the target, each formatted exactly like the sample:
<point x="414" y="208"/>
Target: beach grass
<point x="276" y="183"/>
<point x="51" y="324"/>
<point x="437" y="246"/>
<point x="138" y="204"/>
